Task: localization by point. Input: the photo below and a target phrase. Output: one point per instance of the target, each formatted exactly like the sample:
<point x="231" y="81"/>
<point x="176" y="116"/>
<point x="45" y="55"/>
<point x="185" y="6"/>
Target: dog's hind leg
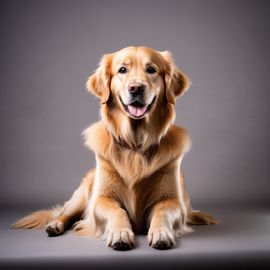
<point x="73" y="208"/>
<point x="57" y="219"/>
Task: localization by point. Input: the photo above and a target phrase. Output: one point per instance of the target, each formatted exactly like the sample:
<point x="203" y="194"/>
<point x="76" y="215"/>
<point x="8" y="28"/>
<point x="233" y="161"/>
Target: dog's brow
<point x="126" y="62"/>
<point x="151" y="63"/>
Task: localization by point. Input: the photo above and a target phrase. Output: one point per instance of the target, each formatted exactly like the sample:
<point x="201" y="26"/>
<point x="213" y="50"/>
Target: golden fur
<point x="138" y="184"/>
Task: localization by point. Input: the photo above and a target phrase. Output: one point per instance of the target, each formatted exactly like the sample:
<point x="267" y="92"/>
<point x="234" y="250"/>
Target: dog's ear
<point x="176" y="81"/>
<point x="99" y="82"/>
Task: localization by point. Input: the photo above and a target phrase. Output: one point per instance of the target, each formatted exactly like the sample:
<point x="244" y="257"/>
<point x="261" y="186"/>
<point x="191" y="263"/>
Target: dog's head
<point x="136" y="78"/>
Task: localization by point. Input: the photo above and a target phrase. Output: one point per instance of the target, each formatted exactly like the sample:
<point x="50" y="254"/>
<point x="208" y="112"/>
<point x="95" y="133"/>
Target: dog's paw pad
<point x="121" y="239"/>
<point x="161" y="239"/>
<point x="55" y="228"/>
<point x="162" y="245"/>
<point x="121" y="246"/>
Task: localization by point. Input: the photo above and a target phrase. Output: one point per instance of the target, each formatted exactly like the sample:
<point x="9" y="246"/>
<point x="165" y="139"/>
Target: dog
<point x="138" y="185"/>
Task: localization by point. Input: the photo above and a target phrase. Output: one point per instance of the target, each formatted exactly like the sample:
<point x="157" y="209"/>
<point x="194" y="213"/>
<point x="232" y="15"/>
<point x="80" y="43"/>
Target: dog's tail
<point x="38" y="219"/>
<point x="197" y="218"/>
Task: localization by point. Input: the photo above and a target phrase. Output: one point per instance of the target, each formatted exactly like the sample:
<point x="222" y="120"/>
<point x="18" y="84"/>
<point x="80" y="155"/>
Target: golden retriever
<point x="138" y="183"/>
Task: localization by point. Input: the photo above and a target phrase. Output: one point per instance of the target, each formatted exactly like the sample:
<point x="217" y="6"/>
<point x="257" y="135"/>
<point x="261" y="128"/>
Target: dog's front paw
<point x="161" y="238"/>
<point x="55" y="228"/>
<point x="121" y="239"/>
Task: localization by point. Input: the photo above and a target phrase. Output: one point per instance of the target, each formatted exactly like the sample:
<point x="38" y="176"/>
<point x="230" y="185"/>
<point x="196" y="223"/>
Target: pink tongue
<point x="137" y="111"/>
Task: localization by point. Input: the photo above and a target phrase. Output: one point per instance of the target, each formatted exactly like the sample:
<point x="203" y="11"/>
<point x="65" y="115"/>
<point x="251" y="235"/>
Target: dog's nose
<point x="136" y="89"/>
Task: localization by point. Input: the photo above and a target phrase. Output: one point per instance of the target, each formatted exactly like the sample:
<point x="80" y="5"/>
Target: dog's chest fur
<point x="134" y="164"/>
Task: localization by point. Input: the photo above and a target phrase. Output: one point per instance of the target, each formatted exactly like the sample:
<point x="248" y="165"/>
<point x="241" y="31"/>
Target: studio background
<point x="49" y="48"/>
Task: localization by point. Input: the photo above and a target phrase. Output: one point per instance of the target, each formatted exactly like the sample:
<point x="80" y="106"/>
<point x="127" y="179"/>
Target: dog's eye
<point x="150" y="70"/>
<point x="122" y="70"/>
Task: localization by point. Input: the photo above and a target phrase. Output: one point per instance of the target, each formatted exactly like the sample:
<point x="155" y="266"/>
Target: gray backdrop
<point x="48" y="48"/>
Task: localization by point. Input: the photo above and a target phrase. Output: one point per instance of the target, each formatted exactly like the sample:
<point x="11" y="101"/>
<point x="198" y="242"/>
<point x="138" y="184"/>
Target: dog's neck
<point x="136" y="137"/>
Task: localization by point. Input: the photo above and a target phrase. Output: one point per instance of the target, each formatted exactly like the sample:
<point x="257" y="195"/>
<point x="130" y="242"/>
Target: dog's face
<point x="136" y="78"/>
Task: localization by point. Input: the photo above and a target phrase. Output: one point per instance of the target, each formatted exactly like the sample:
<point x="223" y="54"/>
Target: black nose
<point x="136" y="89"/>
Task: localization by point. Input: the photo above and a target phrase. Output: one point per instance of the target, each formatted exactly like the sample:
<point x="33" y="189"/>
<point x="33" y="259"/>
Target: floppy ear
<point x="176" y="81"/>
<point x="99" y="82"/>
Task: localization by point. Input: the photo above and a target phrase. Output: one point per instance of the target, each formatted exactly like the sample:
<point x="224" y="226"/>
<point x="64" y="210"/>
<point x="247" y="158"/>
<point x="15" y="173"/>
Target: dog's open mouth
<point x="137" y="109"/>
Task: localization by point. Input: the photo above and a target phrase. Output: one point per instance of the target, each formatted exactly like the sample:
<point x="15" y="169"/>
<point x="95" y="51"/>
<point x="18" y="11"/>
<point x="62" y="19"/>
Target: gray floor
<point x="241" y="240"/>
